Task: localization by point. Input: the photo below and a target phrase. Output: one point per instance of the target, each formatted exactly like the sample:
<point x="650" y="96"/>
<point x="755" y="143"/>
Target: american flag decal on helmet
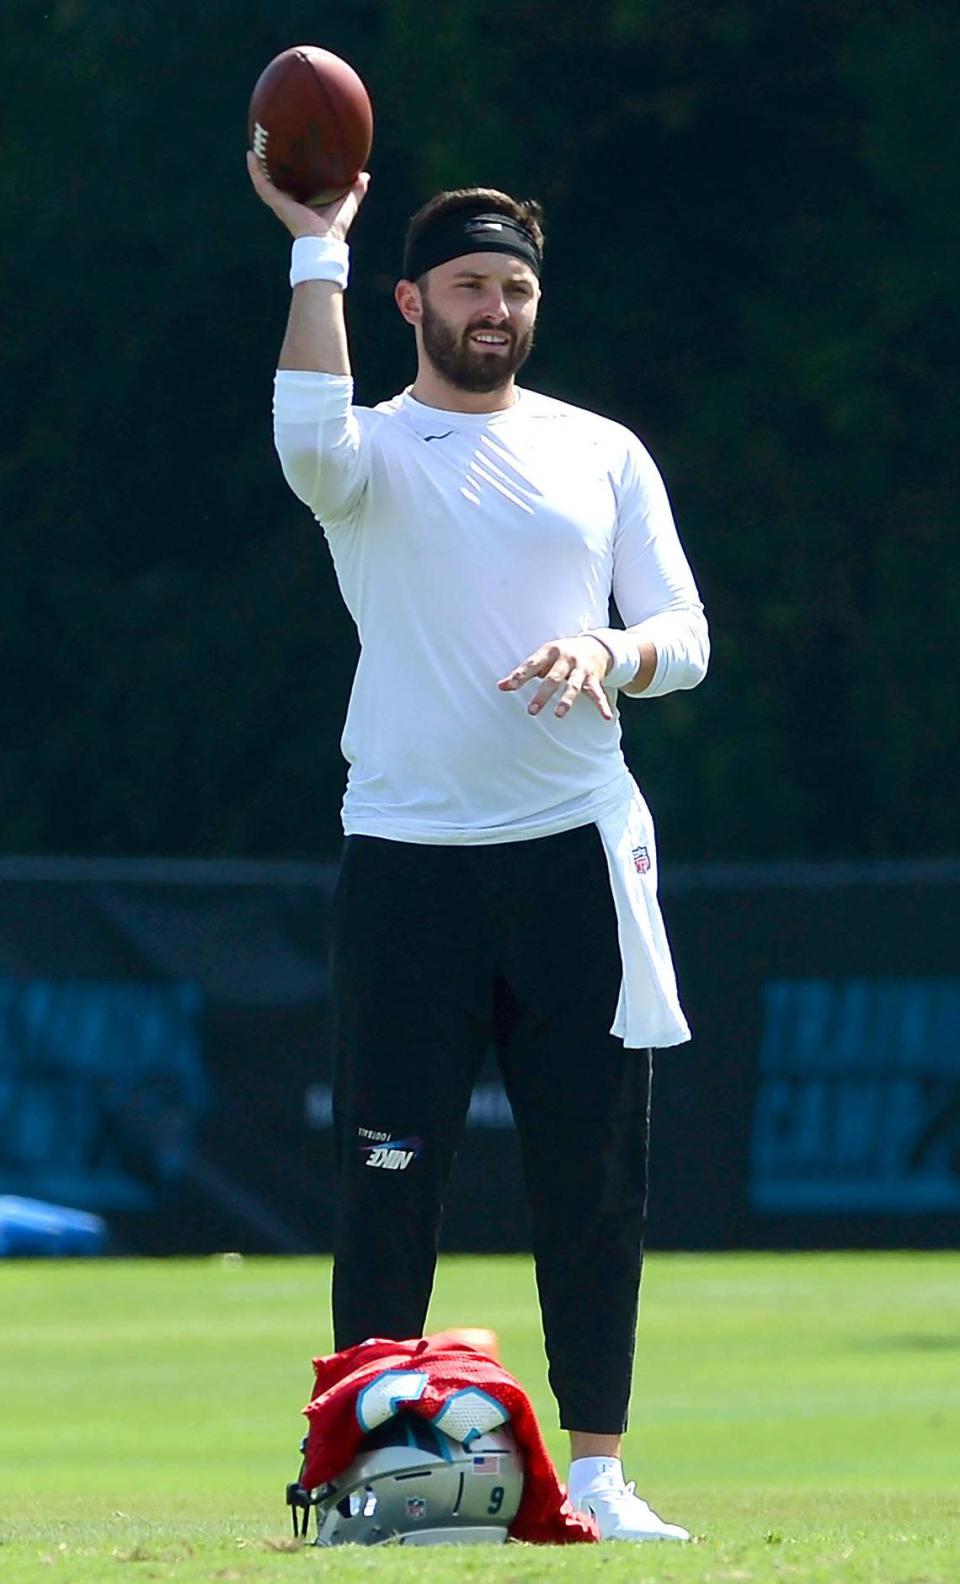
<point x="641" y="860"/>
<point x="488" y="1463"/>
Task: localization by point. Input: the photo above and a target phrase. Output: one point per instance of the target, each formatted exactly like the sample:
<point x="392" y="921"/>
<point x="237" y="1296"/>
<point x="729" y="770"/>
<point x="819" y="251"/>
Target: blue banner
<point x="858" y="1098"/>
<point x="101" y="1089"/>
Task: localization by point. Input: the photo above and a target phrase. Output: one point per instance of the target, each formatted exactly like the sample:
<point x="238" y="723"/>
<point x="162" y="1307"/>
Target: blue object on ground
<point x="30" y="1227"/>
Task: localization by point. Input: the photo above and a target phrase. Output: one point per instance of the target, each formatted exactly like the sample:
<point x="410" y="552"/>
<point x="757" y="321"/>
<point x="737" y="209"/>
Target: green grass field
<point x="801" y="1414"/>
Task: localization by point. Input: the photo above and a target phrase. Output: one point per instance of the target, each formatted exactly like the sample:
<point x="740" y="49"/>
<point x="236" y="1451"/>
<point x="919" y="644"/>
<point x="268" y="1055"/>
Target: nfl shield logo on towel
<point x="416" y="1507"/>
<point x="641" y="860"/>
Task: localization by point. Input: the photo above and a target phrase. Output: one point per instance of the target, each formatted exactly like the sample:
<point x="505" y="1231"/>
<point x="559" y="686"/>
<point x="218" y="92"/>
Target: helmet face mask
<point x="410" y="1484"/>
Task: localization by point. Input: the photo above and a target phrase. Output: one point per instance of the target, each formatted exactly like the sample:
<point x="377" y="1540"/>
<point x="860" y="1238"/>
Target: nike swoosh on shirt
<point x="444" y="436"/>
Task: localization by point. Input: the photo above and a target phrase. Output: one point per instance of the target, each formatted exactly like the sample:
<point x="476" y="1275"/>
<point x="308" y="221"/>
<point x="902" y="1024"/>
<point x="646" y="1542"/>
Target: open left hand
<point x="572" y="665"/>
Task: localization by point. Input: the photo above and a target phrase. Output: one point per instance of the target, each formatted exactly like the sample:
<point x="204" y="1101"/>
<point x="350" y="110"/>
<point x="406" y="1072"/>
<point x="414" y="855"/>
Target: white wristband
<point x="319" y="258"/>
<point x="624" y="651"/>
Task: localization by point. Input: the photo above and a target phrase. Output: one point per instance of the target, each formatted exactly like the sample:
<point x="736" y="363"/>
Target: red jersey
<point x="461" y="1391"/>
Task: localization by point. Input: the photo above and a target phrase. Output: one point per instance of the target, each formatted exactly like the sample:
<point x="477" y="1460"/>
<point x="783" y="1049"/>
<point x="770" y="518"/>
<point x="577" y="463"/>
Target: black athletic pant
<point x="437" y="953"/>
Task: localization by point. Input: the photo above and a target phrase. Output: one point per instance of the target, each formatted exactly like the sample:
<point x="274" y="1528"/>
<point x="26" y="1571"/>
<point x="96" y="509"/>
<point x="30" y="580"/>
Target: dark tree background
<point x="752" y="260"/>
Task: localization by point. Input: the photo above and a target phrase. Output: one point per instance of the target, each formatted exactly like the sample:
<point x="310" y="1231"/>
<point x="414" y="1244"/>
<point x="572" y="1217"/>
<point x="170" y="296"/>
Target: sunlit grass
<point x="801" y="1414"/>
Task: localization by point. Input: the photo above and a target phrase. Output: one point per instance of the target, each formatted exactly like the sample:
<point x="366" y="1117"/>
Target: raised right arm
<point x="317" y="438"/>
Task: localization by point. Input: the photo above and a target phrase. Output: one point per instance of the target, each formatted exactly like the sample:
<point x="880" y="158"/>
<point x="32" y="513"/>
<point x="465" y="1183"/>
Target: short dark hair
<point x="525" y="211"/>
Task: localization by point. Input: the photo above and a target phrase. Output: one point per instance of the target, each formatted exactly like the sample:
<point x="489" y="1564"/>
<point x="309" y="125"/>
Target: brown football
<point x="310" y="124"/>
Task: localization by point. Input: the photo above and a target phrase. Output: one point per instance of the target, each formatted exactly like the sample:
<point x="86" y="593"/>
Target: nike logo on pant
<point x="391" y="1159"/>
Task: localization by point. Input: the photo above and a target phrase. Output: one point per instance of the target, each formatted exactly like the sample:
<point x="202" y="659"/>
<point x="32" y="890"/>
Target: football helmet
<point x="412" y="1484"/>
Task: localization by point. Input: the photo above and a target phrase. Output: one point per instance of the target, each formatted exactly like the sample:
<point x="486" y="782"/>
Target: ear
<point x="407" y="298"/>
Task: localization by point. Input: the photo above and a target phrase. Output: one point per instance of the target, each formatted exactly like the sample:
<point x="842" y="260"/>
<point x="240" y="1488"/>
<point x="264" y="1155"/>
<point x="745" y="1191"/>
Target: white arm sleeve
<point x="652" y="581"/>
<point x="322" y="448"/>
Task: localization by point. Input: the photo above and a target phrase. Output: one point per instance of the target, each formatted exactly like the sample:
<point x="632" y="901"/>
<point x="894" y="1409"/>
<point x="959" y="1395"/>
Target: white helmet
<point x="412" y="1484"/>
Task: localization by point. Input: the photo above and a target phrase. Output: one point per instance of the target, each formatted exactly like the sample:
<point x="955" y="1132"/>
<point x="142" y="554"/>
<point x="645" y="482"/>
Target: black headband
<point x="453" y="235"/>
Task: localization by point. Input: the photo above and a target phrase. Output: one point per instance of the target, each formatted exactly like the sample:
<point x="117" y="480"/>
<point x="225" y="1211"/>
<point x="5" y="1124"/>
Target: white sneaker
<point x="621" y="1514"/>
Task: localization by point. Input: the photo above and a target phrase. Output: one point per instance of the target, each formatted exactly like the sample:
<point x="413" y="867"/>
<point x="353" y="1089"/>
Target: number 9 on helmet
<point x="412" y="1484"/>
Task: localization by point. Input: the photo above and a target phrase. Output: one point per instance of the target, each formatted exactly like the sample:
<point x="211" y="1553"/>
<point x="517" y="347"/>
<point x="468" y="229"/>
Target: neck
<point x="433" y="390"/>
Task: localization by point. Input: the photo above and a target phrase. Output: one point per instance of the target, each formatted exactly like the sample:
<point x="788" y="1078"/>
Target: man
<point x="499" y="874"/>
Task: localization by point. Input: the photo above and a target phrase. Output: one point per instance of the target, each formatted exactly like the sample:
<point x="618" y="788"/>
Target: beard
<point x="466" y="366"/>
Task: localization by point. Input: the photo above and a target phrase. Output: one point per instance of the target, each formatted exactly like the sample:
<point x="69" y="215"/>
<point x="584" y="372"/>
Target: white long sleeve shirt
<point x="461" y="542"/>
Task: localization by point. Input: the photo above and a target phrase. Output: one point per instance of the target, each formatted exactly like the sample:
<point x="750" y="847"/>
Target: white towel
<point x="648" y="1011"/>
